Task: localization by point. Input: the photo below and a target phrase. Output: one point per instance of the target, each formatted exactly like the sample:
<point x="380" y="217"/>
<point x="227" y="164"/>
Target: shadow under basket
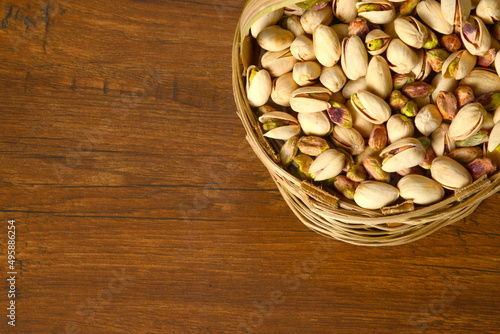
<point x="323" y="211"/>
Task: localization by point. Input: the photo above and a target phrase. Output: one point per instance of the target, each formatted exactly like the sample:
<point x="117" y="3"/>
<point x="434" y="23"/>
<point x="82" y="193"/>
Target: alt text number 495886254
<point x="11" y="272"/>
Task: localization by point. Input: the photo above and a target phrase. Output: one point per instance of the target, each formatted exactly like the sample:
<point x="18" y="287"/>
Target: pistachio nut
<point x="345" y="10"/>
<point x="302" y="163"/>
<point x="377" y="41"/>
<point x="494" y="139"/>
<point x="356" y="173"/>
<point x="478" y="138"/>
<point x="480" y="167"/>
<point x="359" y="26"/>
<point x="410" y="109"/>
<point x="379" y="11"/>
<point x="371" y="107"/>
<point x="279" y="125"/>
<point x="399" y="126"/>
<point x="447" y="104"/>
<point x="441" y="142"/>
<point x="451" y="42"/>
<point x="449" y="173"/>
<point x="310" y="99"/>
<point x="465" y="155"/>
<point x="333" y="78"/>
<point x="349" y="139"/>
<point x="353" y="86"/>
<point x="293" y="24"/>
<point x="278" y="63"/>
<point x="400" y="57"/>
<point x="440" y="83"/>
<point x="464" y="95"/>
<point x="458" y="65"/>
<point x="267" y="20"/>
<point x="339" y="114"/>
<point x="349" y="160"/>
<point x="429" y="11"/>
<point x="345" y="186"/>
<point x="490" y="101"/>
<point x="302" y="48"/>
<point x="378" y="137"/>
<point x="488" y="11"/>
<point x="354" y="60"/>
<point x="475" y="36"/>
<point x="312" y="145"/>
<point x="407" y="7"/>
<point x="358" y="122"/>
<point x="399" y="81"/>
<point x="314" y="123"/>
<point x="411" y="31"/>
<point x="282" y="89"/>
<point x="420" y="189"/>
<point x="327" y="165"/>
<point x="275" y="38"/>
<point x="397" y="100"/>
<point x="258" y="86"/>
<point x="487" y="59"/>
<point x="313" y="18"/>
<point x="373" y="166"/>
<point x="482" y="80"/>
<point x="418" y="89"/>
<point x="378" y="77"/>
<point x="436" y="58"/>
<point x="289" y="150"/>
<point x="306" y="73"/>
<point x="467" y="122"/>
<point x="456" y="11"/>
<point x="404" y="153"/>
<point x="375" y="195"/>
<point x="326" y="45"/>
<point x="423" y="68"/>
<point x="430" y="155"/>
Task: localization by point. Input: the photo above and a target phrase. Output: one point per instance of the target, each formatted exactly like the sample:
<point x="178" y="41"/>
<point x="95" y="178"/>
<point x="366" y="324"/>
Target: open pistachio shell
<point x="475" y="36"/>
<point x="420" y="189"/>
<point x="327" y="165"/>
<point x="284" y="126"/>
<point x="482" y="80"/>
<point x="282" y="89"/>
<point x="456" y="11"/>
<point x="423" y="68"/>
<point x="278" y="63"/>
<point x="494" y="139"/>
<point x="379" y="12"/>
<point x="352" y="86"/>
<point x="449" y="173"/>
<point x="258" y="86"/>
<point x="326" y="45"/>
<point x="345" y="10"/>
<point x="371" y="107"/>
<point x="354" y="60"/>
<point x="358" y="122"/>
<point x="458" y="65"/>
<point x="267" y="20"/>
<point x="349" y="139"/>
<point x="310" y="99"/>
<point x="377" y="41"/>
<point x="468" y="121"/>
<point x="306" y="73"/>
<point x="313" y="18"/>
<point x="400" y="57"/>
<point x="441" y="83"/>
<point x="375" y="194"/>
<point x="404" y="153"/>
<point x="441" y="141"/>
<point x="411" y="31"/>
<point x="430" y="12"/>
<point x="378" y="77"/>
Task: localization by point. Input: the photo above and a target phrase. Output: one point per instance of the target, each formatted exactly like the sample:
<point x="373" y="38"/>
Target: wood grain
<point x="140" y="208"/>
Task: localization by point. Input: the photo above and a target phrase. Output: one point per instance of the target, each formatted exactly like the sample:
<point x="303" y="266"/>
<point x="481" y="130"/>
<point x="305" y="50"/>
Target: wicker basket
<point x="329" y="214"/>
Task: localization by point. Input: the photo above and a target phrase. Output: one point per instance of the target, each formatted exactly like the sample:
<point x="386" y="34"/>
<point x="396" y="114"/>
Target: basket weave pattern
<point x="327" y="213"/>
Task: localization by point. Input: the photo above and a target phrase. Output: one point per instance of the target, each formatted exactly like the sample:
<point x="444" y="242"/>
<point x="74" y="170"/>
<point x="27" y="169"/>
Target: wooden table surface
<point x="140" y="208"/>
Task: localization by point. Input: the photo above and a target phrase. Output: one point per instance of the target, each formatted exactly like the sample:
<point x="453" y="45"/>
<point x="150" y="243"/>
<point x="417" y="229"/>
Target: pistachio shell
<point x="293" y="24"/>
<point x="455" y="11"/>
<point x="302" y="48"/>
<point x="477" y="41"/>
<point x="458" y="65"/>
<point x="399" y="126"/>
<point x="428" y="119"/>
<point x="467" y="122"/>
<point x="430" y="12"/>
<point x="378" y="77"/>
<point x="349" y="139"/>
<point x="282" y="89"/>
<point x="258" y="86"/>
<point x="411" y="31"/>
<point x="275" y="38"/>
<point x="377" y="41"/>
<point x="358" y="122"/>
<point x="353" y="86"/>
<point x="314" y="123"/>
<point x="420" y="189"/>
<point x="333" y="78"/>
<point x="354" y="58"/>
<point x="441" y="141"/>
<point x="449" y="173"/>
<point x="494" y="140"/>
<point x="342" y="30"/>
<point x="306" y="73"/>
<point x="284" y="132"/>
<point x="345" y="10"/>
<point x="497" y="63"/>
<point x="482" y="81"/>
<point x="326" y="45"/>
<point x="404" y="153"/>
<point x="375" y="194"/>
<point x="441" y="83"/>
<point x="371" y="107"/>
<point x="327" y="165"/>
<point x="312" y="18"/>
<point x="384" y="12"/>
<point x="488" y="11"/>
<point x="422" y="69"/>
<point x="305" y="99"/>
<point x="401" y="58"/>
<point x="278" y="63"/>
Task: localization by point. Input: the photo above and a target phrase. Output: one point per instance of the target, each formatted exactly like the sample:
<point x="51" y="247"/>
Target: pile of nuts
<point x="381" y="100"/>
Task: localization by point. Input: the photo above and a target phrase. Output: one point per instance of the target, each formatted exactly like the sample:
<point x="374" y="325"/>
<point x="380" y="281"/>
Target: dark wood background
<point x="140" y="208"/>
